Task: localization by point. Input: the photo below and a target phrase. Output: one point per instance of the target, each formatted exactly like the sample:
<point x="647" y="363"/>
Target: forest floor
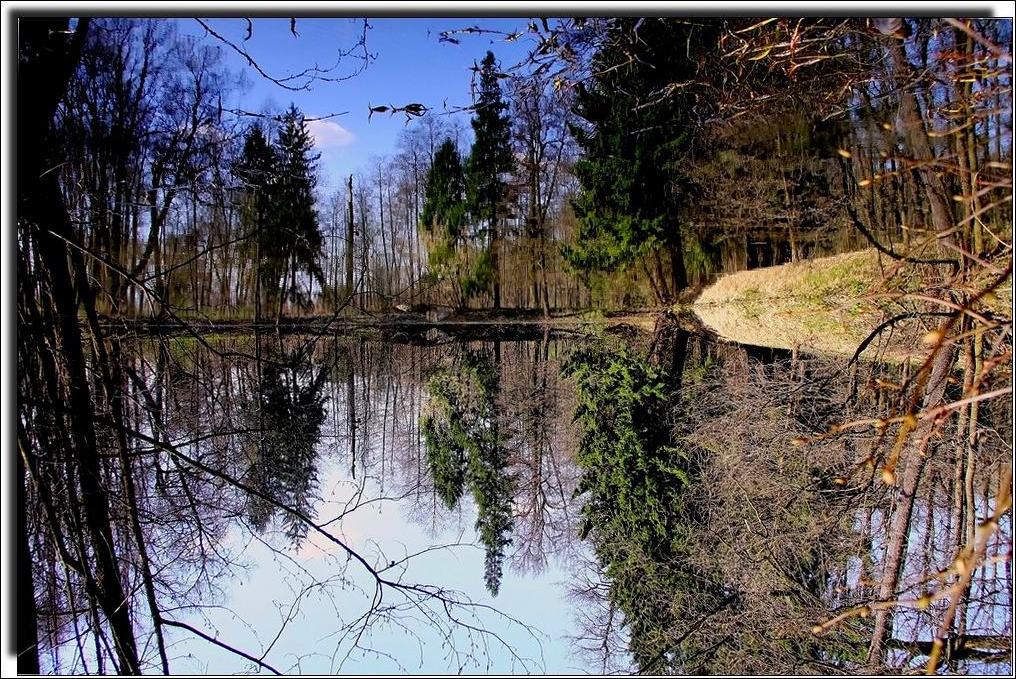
<point x="827" y="305"/>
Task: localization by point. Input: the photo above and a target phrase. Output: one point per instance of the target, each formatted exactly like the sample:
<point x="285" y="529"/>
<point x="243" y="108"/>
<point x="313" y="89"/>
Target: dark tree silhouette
<point x="290" y="411"/>
<point x="490" y="159"/>
<point x="294" y="244"/>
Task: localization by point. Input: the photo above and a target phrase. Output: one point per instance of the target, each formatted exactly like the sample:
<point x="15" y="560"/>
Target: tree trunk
<point x="28" y="629"/>
<point x="678" y="274"/>
<point x="349" y="240"/>
<point x="351" y="412"/>
<point x="44" y="71"/>
<point x="899" y="528"/>
<point x="918" y="144"/>
<point x="495" y="247"/>
<point x="668" y="294"/>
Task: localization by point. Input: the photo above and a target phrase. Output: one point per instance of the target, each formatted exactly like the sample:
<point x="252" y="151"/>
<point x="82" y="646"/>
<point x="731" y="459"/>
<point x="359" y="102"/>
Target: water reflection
<point x="284" y="431"/>
<point x="466" y="447"/>
<point x="622" y="503"/>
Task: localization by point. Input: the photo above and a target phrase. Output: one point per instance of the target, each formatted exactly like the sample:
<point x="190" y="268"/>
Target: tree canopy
<point x="635" y="134"/>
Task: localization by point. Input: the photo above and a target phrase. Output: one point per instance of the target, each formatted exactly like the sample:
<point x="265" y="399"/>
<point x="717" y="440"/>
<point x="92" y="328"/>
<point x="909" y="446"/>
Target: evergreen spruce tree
<point x="257" y="170"/>
<point x="444" y="194"/>
<point x="297" y="241"/>
<point x="466" y="448"/>
<point x="444" y="218"/>
<point x="489" y="159"/>
<point x="637" y="130"/>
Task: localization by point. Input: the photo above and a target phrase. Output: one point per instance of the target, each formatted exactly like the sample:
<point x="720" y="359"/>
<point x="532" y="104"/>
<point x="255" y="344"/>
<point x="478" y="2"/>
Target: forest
<point x="491" y="337"/>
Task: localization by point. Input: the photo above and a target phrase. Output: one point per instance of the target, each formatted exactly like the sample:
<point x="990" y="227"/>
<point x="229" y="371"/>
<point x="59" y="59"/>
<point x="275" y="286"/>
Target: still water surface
<point x="687" y="537"/>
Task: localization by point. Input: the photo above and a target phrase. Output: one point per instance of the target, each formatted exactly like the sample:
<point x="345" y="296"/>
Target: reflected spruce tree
<point x="719" y="545"/>
<point x="466" y="449"/>
<point x="283" y="452"/>
<point x="634" y="487"/>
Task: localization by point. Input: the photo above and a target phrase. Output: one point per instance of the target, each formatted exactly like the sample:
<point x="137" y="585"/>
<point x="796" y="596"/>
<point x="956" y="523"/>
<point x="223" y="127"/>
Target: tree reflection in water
<point x="687" y="533"/>
<point x="767" y="539"/>
<point x="465" y="446"/>
<point x="283" y="447"/>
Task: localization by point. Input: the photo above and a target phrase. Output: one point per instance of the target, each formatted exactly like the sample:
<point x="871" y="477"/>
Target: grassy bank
<point x="828" y="305"/>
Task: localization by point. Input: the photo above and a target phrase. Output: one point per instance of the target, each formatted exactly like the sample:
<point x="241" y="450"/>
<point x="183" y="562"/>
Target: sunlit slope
<point x="828" y="305"/>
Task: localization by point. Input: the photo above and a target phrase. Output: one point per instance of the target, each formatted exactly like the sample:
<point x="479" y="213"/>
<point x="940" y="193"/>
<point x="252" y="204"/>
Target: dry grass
<point x="827" y="305"/>
<point x="838" y="278"/>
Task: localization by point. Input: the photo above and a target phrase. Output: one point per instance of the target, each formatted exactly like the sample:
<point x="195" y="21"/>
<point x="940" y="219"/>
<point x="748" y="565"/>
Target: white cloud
<point x="328" y="134"/>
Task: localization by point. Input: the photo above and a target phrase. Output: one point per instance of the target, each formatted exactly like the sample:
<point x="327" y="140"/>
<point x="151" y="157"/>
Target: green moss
<point x="838" y="282"/>
<point x="820" y="323"/>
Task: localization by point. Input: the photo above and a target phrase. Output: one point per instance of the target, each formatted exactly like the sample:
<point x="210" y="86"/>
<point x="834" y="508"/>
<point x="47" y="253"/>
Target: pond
<point x="527" y="500"/>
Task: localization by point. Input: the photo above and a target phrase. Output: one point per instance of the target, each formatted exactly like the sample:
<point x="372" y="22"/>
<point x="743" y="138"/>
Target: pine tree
<point x="444" y="217"/>
<point x="489" y="159"/>
<point x="279" y="181"/>
<point x="445" y="193"/>
<point x="635" y="136"/>
<point x="295" y="243"/>
<point x="257" y="170"/>
<point x="465" y="447"/>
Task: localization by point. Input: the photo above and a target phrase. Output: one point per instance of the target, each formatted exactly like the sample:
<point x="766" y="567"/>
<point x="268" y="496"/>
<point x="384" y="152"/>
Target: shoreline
<point x="472" y="321"/>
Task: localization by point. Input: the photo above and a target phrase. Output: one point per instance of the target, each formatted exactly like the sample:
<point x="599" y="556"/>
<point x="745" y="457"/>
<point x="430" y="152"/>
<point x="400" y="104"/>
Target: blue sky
<point x="411" y="66"/>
